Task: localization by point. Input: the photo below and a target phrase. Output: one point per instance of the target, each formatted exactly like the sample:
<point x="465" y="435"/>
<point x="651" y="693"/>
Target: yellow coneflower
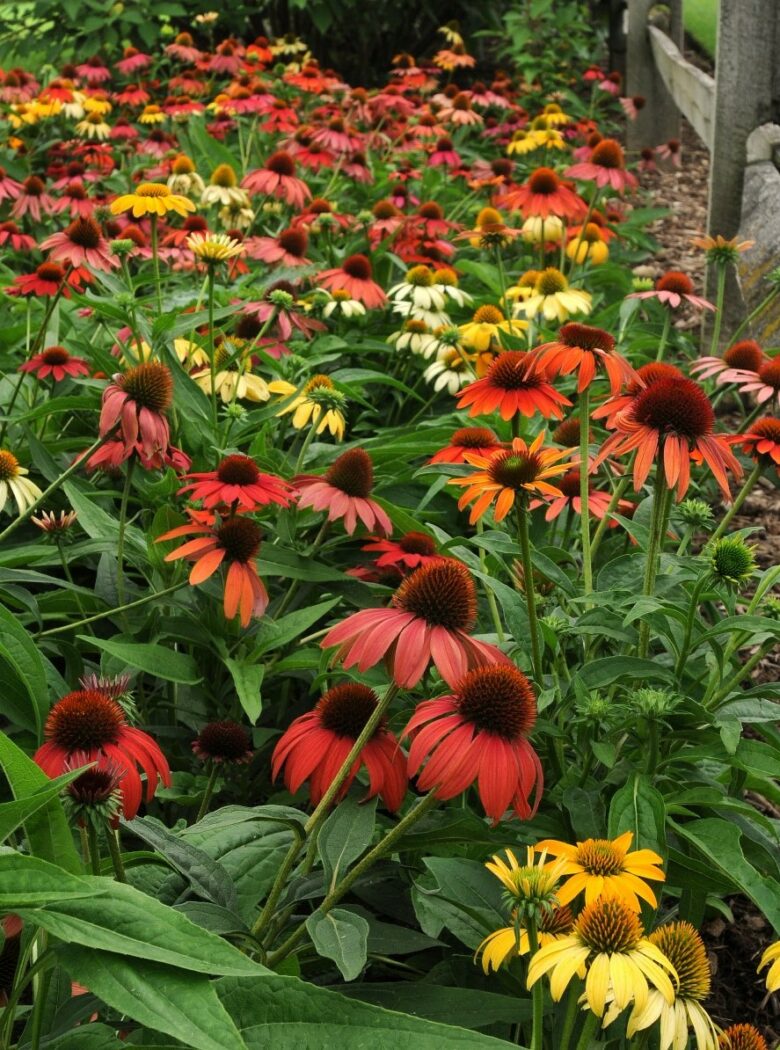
<point x="13" y="482"/>
<point x="44" y="109"/>
<point x="512" y="941"/>
<point x="600" y="867"/>
<point x="96" y="104"/>
<point x="214" y="247"/>
<point x="233" y="377"/>
<point x="523" y="142"/>
<point x="609" y="943"/>
<point x="151" y="198"/>
<point x="485" y="327"/>
<point x="554" y="115"/>
<point x="554" y="299"/>
<point x="771" y="955"/>
<point x="223" y="188"/>
<point x="538" y="229"/>
<point x="490" y="231"/>
<point x="152" y="115"/>
<point x="93" y="127"/>
<point x="588" y="246"/>
<point x="318" y="403"/>
<point x="684" y="948"/>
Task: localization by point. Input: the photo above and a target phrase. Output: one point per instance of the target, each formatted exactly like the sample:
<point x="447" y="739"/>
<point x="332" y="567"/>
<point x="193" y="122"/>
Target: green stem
<point x="570" y="1017"/>
<point x="112" y="612"/>
<point x="692" y="607"/>
<point x="588" y="1030"/>
<point x="530" y="591"/>
<point x="269" y="907"/>
<point x="491" y="598"/>
<point x="207" y="794"/>
<point x="616" y="497"/>
<point x="741" y="674"/>
<point x="754" y="314"/>
<point x="587" y="565"/>
<point x="685" y="540"/>
<point x="212" y="348"/>
<point x="654" y="548"/>
<point x="94" y="848"/>
<point x="44" y="960"/>
<point x="293" y="588"/>
<point x="735" y="507"/>
<point x="381" y="849"/>
<point x="112" y="838"/>
<point x="78" y="462"/>
<point x="664" y="335"/>
<point x="304" y="448"/>
<point x="120" y="543"/>
<point x="156" y="261"/>
<point x="537" y="992"/>
<point x="716" y="325"/>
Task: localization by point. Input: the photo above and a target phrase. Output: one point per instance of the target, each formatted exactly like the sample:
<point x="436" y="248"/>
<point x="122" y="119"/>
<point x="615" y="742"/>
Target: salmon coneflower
<point x="478" y="734"/>
<point x="606" y="166"/>
<point x="430" y="618"/>
<point x="317" y="744"/>
<point x="234" y="542"/>
<point x="764" y="383"/>
<point x="667" y="422"/>
<point x="277" y="178"/>
<point x="81" y="243"/>
<point x="344" y="490"/>
<point x="467" y="439"/>
<point x="672" y="289"/>
<point x="55" y="361"/>
<point x="585" y="349"/>
<point x="514" y="384"/>
<point x="223" y="743"/>
<point x="648" y="374"/>
<point x="743" y="356"/>
<point x="136" y="402"/>
<point x="239" y="481"/>
<point x="94" y="726"/>
<point x="762" y="441"/>
<point x="354" y="276"/>
<point x="545" y="195"/>
<point x="509" y="475"/>
<point x="571" y="498"/>
<point x="287" y="248"/>
<point x="409" y="552"/>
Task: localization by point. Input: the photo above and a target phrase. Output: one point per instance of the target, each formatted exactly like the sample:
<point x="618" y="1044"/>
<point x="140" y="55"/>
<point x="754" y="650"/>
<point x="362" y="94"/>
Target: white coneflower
<point x="447" y="281"/>
<point x="418" y="288"/>
<point x="223" y="188"/>
<point x="433" y="318"/>
<point x="14" y="482"/>
<point x="450" y="371"/>
<point x="184" y="178"/>
<point x="341" y="302"/>
<point x="414" y="336"/>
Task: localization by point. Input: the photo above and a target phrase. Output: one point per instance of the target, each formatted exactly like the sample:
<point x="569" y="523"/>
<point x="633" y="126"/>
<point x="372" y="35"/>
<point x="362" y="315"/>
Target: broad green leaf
<point x="599" y="673"/>
<point x="27" y="882"/>
<point x="276" y="633"/>
<point x="13" y="814"/>
<point x="125" y="921"/>
<point x="284" y="1013"/>
<point x="586" y="812"/>
<point x="248" y="679"/>
<point x="469" y="1007"/>
<point x="345" y="835"/>
<point x="20" y="659"/>
<point x="48" y="833"/>
<point x="639" y="807"/>
<point x="97" y="523"/>
<point x="459" y="895"/>
<point x="92" y="1036"/>
<point x="342" y="936"/>
<point x="165" y="999"/>
<point x="155" y="660"/>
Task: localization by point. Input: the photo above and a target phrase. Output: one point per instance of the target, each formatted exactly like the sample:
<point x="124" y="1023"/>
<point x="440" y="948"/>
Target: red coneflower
<point x="344" y="490"/>
<point x="744" y="356"/>
<point x="514" y="384"/>
<point x="81" y="243"/>
<point x="11" y="234"/>
<point x="238" y="480"/>
<point x="233" y="541"/>
<point x="673" y="288"/>
<point x="224" y="743"/>
<point x="479" y="735"/>
<point x="277" y="178"/>
<point x="57" y="362"/>
<point x="409" y="552"/>
<point x="762" y="441"/>
<point x="467" y="439"/>
<point x="91" y="723"/>
<point x="585" y="349"/>
<point x="431" y="615"/>
<point x="544" y="194"/>
<point x="288" y="248"/>
<point x="667" y="422"/>
<point x="136" y="402"/>
<point x="354" y="276"/>
<point x="606" y="167"/>
<point x="48" y="279"/>
<point x="317" y="743"/>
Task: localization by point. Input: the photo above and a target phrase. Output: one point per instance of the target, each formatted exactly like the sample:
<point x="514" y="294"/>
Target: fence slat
<point x="659" y="121"/>
<point x="691" y="88"/>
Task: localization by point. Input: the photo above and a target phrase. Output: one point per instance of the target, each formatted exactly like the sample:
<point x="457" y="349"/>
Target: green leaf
<point x="248" y="679"/>
<point x="342" y="936"/>
<point x="27" y="882"/>
<point x="155" y="660"/>
<point x="459" y="895"/>
<point x="586" y="811"/>
<point x="125" y="921"/>
<point x="184" y="1005"/>
<point x="287" y="1014"/>
<point x="345" y="835"/>
<point x="13" y="814"/>
<point x="97" y="523"/>
<point x="640" y="808"/>
<point x="720" y="842"/>
<point x="275" y="634"/>
<point x="469" y="1007"/>
<point x="48" y="833"/>
<point x="92" y="1036"/>
<point x="599" y="673"/>
<point x="20" y="659"/>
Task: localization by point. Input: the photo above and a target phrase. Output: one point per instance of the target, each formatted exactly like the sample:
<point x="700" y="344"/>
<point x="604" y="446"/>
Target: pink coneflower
<point x="32" y="200"/>
<point x="357" y="169"/>
<point x="744" y="356"/>
<point x="277" y="179"/>
<point x="183" y="48"/>
<point x="123" y="132"/>
<point x="468" y="439"/>
<point x="387" y="219"/>
<point x="57" y="362"/>
<point x="74" y="199"/>
<point x="336" y="137"/>
<point x="94" y="70"/>
<point x="288" y="248"/>
<point x="672" y="288"/>
<point x="316" y="745"/>
<point x="444" y="155"/>
<point x="11" y="235"/>
<point x="647" y="160"/>
<point x="133" y="61"/>
<point x="606" y="167"/>
<point x="279" y="302"/>
<point x="226" y="59"/>
<point x="430" y="619"/>
<point x="136" y="402"/>
<point x="9" y="188"/>
<point x="478" y="734"/>
<point x="631" y="106"/>
<point x="354" y="276"/>
<point x="411" y="551"/>
<point x="764" y="383"/>
<point x="670" y="151"/>
<point x="81" y="243"/>
<point x="344" y="490"/>
<point x="238" y="481"/>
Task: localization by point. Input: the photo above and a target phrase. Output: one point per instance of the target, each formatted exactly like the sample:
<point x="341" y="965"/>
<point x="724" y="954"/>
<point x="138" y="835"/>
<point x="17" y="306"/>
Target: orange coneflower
<point x="467" y="439"/>
<point x="545" y="195"/>
<point x="514" y="384"/>
<point x="667" y="422"/>
<point x="509" y="474"/>
<point x="585" y="349"/>
<point x="762" y="441"/>
<point x="645" y="376"/>
<point x="232" y="541"/>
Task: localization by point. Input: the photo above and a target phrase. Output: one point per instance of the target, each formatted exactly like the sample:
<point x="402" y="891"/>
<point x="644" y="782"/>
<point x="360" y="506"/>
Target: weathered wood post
<point x="659" y="121"/>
